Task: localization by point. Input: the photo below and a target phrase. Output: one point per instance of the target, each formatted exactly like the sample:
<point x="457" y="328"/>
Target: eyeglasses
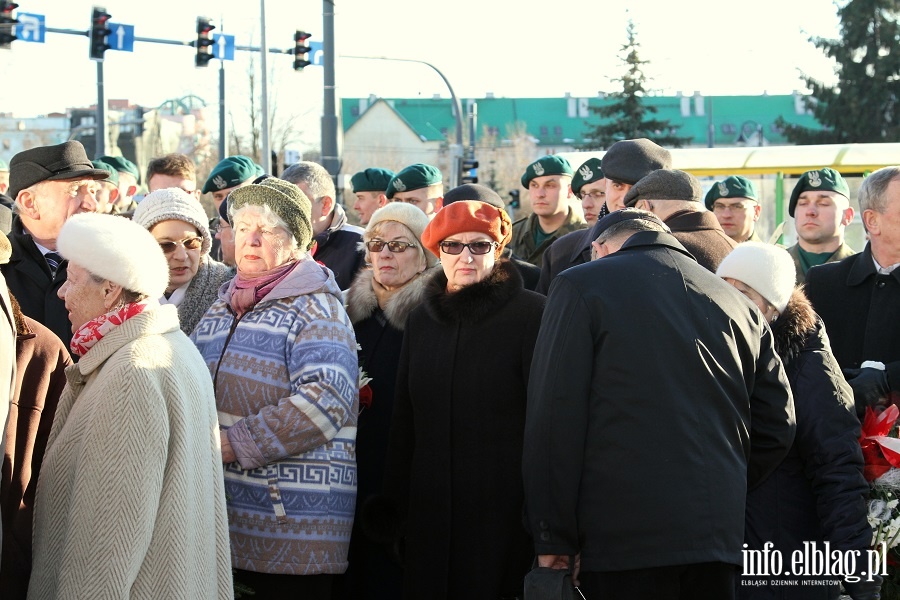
<point x="455" y="248"/>
<point x="394" y="246"/>
<point x="189" y="244"/>
<point x="596" y="195"/>
<point x="717" y="207"/>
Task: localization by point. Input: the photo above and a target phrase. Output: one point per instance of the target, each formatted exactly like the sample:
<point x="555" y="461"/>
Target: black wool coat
<point x="818" y="493"/>
<point x="454" y="462"/>
<point x="861" y="310"/>
<point x="570" y="250"/>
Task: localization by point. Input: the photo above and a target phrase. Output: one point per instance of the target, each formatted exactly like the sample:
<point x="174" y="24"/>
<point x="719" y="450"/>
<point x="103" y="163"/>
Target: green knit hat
<point x="413" y="177"/>
<point x="546" y="165"/>
<point x="113" y="173"/>
<point x="122" y="165"/>
<point x="231" y="172"/>
<point x="285" y="199"/>
<point x="371" y="180"/>
<point x="589" y="172"/>
<point x="821" y="180"/>
<point x="734" y="186"/>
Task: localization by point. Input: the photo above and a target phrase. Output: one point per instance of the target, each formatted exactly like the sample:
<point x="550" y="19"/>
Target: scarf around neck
<point x="247" y="291"/>
<point x="94" y="330"/>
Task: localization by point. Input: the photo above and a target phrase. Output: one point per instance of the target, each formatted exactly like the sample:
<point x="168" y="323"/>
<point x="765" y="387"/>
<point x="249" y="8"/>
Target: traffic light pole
<point x="330" y="156"/>
<point x="101" y="142"/>
<point x="265" y="154"/>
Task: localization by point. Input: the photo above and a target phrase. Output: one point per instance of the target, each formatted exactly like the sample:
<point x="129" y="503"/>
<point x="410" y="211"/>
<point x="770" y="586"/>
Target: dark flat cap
<point x="626" y="214"/>
<point x="629" y="161"/>
<point x="474" y="191"/>
<point x="50" y="163"/>
<point x="665" y="184"/>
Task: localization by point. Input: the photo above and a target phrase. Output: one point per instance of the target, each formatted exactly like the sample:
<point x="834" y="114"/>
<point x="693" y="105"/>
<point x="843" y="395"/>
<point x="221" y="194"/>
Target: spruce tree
<point x="628" y="117"/>
<point x="863" y="106"/>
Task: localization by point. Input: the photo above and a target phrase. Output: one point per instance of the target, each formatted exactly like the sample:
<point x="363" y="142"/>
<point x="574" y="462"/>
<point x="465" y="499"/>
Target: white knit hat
<point x="766" y="268"/>
<point x="405" y="214"/>
<point x="116" y="249"/>
<point x="173" y="203"/>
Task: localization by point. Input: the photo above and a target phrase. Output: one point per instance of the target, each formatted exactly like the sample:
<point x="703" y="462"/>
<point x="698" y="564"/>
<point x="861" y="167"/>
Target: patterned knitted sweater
<point x="130" y="501"/>
<point x="285" y="376"/>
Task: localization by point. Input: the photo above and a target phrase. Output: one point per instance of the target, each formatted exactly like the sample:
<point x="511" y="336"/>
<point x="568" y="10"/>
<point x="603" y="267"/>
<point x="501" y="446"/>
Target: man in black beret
<point x="674" y="196"/>
<point x="49" y="185"/>
<point x="655" y="374"/>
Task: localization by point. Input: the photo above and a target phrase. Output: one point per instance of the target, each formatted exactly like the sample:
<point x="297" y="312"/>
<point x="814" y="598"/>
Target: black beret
<point x="628" y="161"/>
<point x="474" y="191"/>
<point x="626" y="214"/>
<point x="50" y="163"/>
<point x="665" y="184"/>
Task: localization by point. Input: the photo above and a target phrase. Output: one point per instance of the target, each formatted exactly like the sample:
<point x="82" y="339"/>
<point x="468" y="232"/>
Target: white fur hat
<point x="405" y="214"/>
<point x="766" y="268"/>
<point x="173" y="204"/>
<point x="116" y="249"/>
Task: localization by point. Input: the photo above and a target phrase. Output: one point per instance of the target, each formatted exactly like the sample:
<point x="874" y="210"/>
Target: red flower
<point x="365" y="397"/>
<point x="879" y="451"/>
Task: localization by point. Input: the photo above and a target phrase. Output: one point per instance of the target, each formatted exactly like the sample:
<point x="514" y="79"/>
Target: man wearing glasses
<point x="49" y="185"/>
<point x="735" y="203"/>
<point x="420" y="185"/>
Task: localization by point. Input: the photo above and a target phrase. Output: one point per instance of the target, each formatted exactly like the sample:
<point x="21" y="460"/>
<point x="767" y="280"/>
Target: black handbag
<point x="544" y="583"/>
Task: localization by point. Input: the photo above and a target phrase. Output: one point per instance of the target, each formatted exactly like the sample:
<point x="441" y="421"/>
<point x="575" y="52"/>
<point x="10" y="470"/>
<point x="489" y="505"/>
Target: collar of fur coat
<point x="362" y="301"/>
<point x="474" y="302"/>
<point x="794" y="327"/>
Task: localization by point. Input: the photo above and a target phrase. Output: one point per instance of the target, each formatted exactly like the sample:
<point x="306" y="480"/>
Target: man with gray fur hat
<point x="676" y="198"/>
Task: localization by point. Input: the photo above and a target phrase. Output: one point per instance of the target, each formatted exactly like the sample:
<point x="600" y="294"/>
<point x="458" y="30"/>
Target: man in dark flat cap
<point x="49" y="185"/>
<point x="623" y="396"/>
<point x="674" y="196"/>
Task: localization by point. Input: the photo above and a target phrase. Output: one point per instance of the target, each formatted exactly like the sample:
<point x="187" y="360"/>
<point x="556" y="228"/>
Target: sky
<point x="508" y="48"/>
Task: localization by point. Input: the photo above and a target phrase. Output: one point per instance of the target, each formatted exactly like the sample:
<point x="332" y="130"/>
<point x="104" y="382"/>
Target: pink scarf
<point x="93" y="331"/>
<point x="247" y="291"/>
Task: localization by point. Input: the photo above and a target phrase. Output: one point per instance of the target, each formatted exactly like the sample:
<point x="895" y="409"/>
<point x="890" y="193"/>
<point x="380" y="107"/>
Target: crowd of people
<point x="429" y="404"/>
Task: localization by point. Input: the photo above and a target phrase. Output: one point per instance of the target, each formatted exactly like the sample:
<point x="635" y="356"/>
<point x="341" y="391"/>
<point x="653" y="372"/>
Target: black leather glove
<point x="864" y="590"/>
<point x="870" y="387"/>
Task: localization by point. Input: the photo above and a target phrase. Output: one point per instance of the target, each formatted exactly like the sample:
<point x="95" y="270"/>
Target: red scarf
<point x="93" y="331"/>
<point x="247" y="291"/>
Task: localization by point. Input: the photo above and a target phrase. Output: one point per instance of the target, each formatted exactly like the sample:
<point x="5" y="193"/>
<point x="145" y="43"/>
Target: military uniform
<point x="523" y="230"/>
<point x="843" y="251"/>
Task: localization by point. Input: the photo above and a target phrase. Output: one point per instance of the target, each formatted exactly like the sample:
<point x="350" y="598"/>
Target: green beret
<point x="413" y="177"/>
<point x="231" y="172"/>
<point x="589" y="172"/>
<point x="546" y="165"/>
<point x="371" y="180"/>
<point x="822" y="180"/>
<point x="122" y="165"/>
<point x="285" y="199"/>
<point x="734" y="186"/>
<point x="113" y="173"/>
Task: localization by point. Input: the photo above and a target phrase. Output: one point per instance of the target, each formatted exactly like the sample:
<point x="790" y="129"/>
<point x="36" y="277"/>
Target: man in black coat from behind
<point x="653" y="404"/>
<point x="858" y="297"/>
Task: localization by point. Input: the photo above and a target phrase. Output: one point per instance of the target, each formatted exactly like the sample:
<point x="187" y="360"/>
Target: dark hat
<point x="730" y="187"/>
<point x="474" y="191"/>
<point x="628" y="161"/>
<point x="626" y="214"/>
<point x="230" y="173"/>
<point x="122" y="165"/>
<point x="665" y="184"/>
<point x="371" y="180"/>
<point x="546" y="165"/>
<point x="113" y="173"/>
<point x="589" y="172"/>
<point x="822" y="180"/>
<point x="413" y="177"/>
<point x="50" y="163"/>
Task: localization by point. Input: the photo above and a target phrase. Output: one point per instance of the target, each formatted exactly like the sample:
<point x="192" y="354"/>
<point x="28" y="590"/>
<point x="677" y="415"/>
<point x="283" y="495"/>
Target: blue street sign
<point x="31" y="27"/>
<point x="316" y="52"/>
<point x="223" y="46"/>
<point x="121" y="37"/>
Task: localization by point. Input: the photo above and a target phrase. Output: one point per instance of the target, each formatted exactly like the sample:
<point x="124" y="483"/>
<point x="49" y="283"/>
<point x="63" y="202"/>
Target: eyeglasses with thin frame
<point x="595" y="195"/>
<point x="192" y="243"/>
<point x="394" y="246"/>
<point x="455" y="248"/>
<point x="719" y="208"/>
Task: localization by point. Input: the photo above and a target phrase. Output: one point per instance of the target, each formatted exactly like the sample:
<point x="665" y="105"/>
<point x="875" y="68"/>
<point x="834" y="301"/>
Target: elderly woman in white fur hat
<point x="181" y="227"/>
<point x="818" y="494"/>
<point x="130" y="501"/>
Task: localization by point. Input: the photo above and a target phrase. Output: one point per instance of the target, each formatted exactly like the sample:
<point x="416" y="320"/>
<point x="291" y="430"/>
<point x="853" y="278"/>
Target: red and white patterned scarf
<point x="93" y="331"/>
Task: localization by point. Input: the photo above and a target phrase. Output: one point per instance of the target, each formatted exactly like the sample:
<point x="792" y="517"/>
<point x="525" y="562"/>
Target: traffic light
<point x="514" y="200"/>
<point x="301" y="50"/>
<point x="204" y="42"/>
<point x="7" y="24"/>
<point x="468" y="170"/>
<point x="99" y="19"/>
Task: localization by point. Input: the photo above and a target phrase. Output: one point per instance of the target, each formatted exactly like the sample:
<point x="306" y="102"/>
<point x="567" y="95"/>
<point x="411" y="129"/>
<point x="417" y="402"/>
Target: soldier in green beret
<point x="108" y="193"/>
<point x="820" y="205"/>
<point x="549" y="184"/>
<point x="231" y="173"/>
<point x="369" y="188"/>
<point x="129" y="176"/>
<point x="735" y="204"/>
<point x="420" y="185"/>
<point x="589" y="184"/>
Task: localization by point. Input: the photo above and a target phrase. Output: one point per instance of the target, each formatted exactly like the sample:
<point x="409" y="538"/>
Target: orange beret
<point x="464" y="216"/>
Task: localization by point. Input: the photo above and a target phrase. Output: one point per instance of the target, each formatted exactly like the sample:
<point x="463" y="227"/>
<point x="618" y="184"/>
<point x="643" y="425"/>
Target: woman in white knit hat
<point x="181" y="227"/>
<point x="818" y="494"/>
<point x="130" y="501"/>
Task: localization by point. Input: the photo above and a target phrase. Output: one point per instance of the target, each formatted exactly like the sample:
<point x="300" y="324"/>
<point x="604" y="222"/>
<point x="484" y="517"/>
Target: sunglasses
<point x="394" y="246"/>
<point x="193" y="243"/>
<point x="474" y="247"/>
